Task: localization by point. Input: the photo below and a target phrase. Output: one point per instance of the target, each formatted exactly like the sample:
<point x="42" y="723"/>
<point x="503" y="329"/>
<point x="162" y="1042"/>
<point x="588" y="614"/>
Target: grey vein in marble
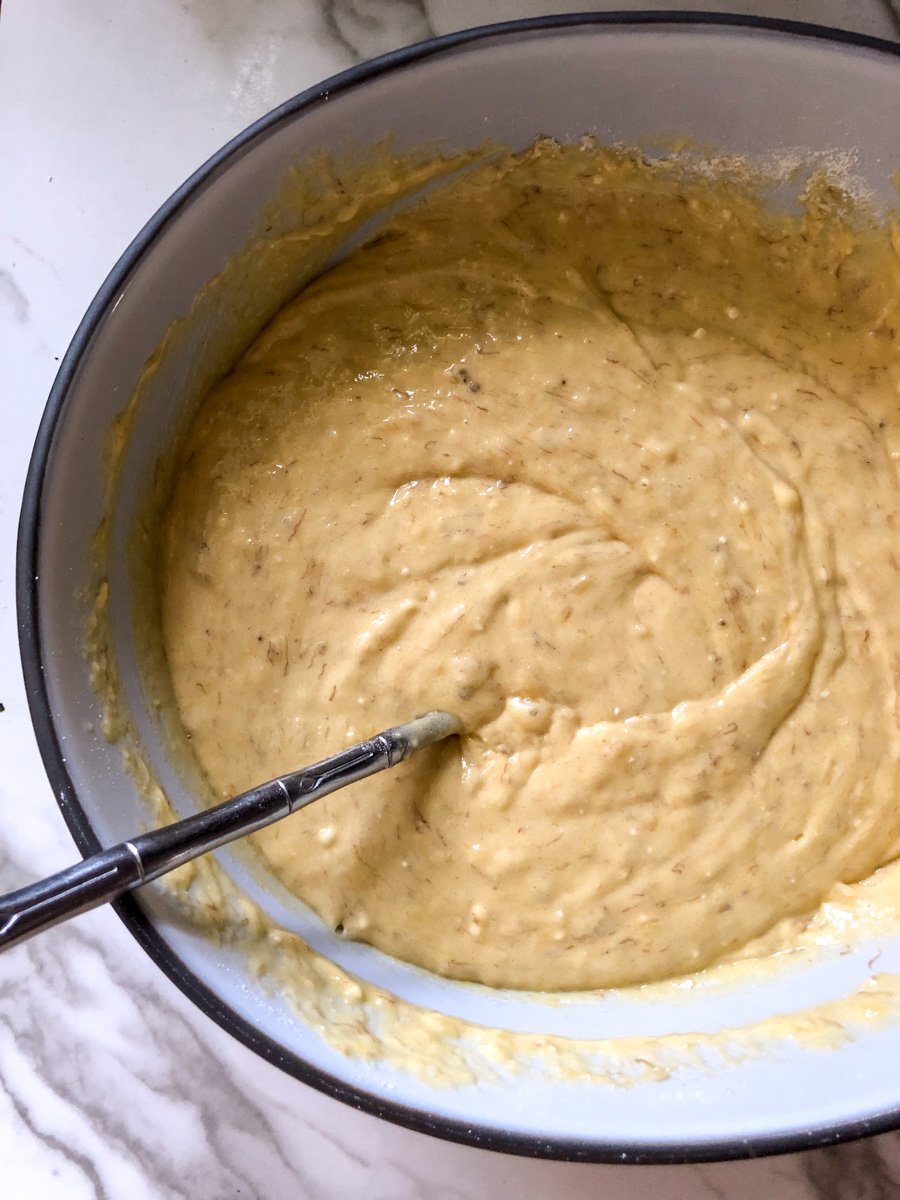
<point x="188" y="1149"/>
<point x="370" y="27"/>
<point x="866" y="1170"/>
<point x="13" y="296"/>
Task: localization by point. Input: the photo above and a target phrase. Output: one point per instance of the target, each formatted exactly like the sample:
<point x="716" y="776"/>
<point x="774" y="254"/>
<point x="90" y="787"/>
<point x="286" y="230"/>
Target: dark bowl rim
<point x="565" y="1149"/>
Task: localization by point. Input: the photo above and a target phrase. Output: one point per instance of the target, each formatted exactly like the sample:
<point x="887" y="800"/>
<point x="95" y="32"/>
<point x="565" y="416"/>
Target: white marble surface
<point x="111" y="1083"/>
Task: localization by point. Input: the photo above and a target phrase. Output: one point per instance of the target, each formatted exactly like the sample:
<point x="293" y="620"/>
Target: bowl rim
<point x="27" y="587"/>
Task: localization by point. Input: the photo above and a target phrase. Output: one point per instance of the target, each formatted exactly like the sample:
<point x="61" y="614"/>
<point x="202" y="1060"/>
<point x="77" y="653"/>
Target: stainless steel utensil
<point x="106" y="875"/>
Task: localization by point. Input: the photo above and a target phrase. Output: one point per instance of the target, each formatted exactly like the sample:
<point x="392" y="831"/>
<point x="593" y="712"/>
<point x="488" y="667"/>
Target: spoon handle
<point x="109" y="873"/>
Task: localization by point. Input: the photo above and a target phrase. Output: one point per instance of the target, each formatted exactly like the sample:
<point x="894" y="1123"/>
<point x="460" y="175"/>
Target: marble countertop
<point x="111" y="1084"/>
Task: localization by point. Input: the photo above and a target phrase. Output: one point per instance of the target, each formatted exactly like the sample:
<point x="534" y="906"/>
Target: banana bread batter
<point x="602" y="458"/>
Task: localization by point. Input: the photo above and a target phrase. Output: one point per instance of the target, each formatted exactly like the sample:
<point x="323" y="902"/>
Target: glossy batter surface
<point x="602" y="459"/>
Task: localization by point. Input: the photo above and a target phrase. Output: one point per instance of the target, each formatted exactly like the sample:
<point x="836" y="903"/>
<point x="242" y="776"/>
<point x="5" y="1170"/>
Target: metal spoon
<point x="122" y="868"/>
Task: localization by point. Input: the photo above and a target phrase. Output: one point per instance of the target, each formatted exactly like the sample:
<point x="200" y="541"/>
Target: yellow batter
<point x="603" y="460"/>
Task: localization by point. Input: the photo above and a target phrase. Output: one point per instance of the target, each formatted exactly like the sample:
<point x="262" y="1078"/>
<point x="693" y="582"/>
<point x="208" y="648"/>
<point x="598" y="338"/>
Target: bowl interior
<point x="751" y="91"/>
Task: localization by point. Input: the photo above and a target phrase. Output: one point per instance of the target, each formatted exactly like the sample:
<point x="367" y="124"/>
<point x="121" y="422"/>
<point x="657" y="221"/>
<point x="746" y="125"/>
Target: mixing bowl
<point x="742" y="86"/>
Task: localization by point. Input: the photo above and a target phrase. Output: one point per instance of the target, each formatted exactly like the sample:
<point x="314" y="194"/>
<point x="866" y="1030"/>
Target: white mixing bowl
<point x="744" y="86"/>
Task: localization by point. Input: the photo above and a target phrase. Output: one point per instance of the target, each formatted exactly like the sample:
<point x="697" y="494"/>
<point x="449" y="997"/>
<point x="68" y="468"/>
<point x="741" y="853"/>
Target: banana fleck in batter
<point x="602" y="458"/>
